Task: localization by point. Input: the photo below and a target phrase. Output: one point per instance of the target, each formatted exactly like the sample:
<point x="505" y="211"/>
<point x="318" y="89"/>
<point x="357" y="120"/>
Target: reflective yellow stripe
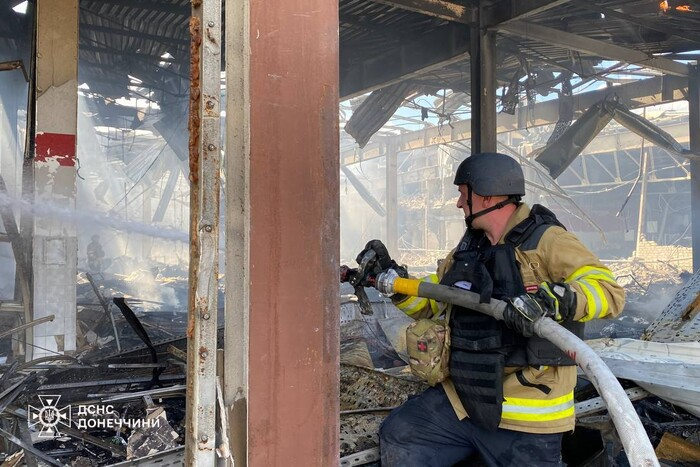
<point x="538" y="410"/>
<point x="600" y="301"/>
<point x="598" y="277"/>
<point x="588" y="270"/>
<point x="412" y="305"/>
<point x="434" y="308"/>
<point x="587" y="278"/>
<point x="592" y="300"/>
<point x="545" y="286"/>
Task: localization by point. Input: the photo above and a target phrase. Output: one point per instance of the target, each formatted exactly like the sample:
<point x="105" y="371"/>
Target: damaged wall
<point x="679" y="256"/>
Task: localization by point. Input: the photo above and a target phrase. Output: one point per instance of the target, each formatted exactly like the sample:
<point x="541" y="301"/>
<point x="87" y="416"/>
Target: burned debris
<point x="120" y="397"/>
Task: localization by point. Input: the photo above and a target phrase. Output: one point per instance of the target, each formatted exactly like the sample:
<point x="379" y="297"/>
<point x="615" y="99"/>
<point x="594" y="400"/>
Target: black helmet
<point x="491" y="174"/>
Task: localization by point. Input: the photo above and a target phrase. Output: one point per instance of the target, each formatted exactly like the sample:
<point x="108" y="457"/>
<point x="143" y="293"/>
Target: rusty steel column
<point x="55" y="244"/>
<point x="293" y="416"/>
<point x="694" y="134"/>
<point x="205" y="162"/>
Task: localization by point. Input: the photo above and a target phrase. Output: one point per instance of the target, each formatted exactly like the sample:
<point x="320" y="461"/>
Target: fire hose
<point x="629" y="428"/>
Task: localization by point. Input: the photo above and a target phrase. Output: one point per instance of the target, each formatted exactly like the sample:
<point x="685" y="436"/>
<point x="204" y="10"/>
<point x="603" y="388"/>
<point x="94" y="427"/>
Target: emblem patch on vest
<point x="531" y="288"/>
<point x="422" y="346"/>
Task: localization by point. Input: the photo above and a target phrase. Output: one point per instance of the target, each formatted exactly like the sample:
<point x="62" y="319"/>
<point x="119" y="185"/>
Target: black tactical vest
<point x="482" y="346"/>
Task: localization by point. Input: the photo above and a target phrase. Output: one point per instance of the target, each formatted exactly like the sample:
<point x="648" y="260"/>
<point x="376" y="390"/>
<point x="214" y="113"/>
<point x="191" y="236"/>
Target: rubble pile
<point x="92" y="411"/>
<point x="374" y="377"/>
<point x="674" y="432"/>
<point x="638" y="276"/>
<point x="649" y="286"/>
<point x="366" y="397"/>
<point x="121" y="396"/>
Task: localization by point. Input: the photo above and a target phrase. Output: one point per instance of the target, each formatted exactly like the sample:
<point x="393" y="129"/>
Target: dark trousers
<point x="425" y="432"/>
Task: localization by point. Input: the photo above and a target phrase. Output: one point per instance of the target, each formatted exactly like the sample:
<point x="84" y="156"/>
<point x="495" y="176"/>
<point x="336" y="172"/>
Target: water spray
<point x="92" y="218"/>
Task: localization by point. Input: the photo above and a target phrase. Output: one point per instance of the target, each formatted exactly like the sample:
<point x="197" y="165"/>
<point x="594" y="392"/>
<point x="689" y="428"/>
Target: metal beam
<point x="592" y="46"/>
<point x="442" y="47"/>
<point x="29" y="448"/>
<point x="642" y="199"/>
<point x="166" y="195"/>
<point x="483" y="86"/>
<point x="45" y="319"/>
<point x="364" y="193"/>
<point x="513" y="10"/>
<point x="475" y="88"/>
<point x="626" y="140"/>
<point x="436" y="8"/>
<point x="14" y="65"/>
<point x="205" y="166"/>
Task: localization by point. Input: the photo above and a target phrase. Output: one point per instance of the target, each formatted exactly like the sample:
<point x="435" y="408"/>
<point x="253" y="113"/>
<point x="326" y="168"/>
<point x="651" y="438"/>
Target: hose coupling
<point x="385" y="282"/>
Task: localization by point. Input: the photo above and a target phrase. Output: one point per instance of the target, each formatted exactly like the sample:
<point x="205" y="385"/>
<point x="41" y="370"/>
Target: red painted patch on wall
<point x="57" y="146"/>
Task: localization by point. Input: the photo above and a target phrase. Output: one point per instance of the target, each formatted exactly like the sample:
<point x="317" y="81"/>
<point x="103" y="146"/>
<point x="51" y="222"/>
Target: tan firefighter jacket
<point x="558" y="257"/>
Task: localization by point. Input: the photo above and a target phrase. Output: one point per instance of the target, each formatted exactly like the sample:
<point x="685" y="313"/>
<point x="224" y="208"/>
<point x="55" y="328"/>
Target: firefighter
<point x="509" y="397"/>
<point x="95" y="255"/>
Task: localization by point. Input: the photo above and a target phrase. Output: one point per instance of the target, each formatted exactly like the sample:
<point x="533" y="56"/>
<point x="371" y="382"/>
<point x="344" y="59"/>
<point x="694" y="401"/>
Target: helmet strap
<point x="471" y="216"/>
<point x="513" y="199"/>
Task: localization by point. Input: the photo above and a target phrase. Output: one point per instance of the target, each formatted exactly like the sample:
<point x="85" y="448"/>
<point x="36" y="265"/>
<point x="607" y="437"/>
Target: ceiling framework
<point x="385" y="42"/>
<point x="633" y="95"/>
<point x="539" y="43"/>
<point x="148" y="40"/>
<point x="441" y="47"/>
